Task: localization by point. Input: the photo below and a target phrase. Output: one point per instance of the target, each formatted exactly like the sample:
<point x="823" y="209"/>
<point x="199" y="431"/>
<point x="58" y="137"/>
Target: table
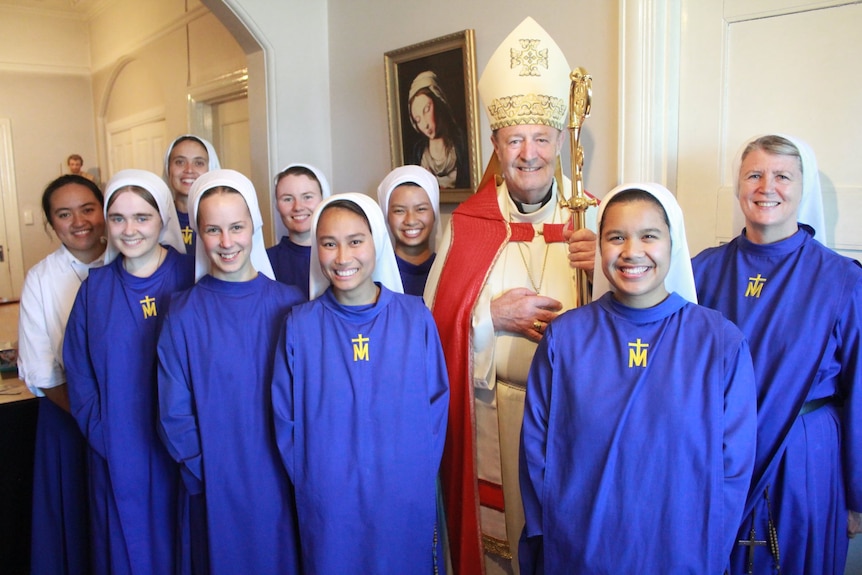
<point x="18" y="412"/>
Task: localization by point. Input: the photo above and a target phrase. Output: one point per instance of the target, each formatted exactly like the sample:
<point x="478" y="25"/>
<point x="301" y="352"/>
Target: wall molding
<point x="649" y="91"/>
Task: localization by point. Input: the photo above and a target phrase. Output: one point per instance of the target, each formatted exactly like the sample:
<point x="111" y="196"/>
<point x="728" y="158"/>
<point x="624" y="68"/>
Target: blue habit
<point x="413" y="277"/>
<point x="215" y="368"/>
<point x="800" y="306"/>
<point x="189" y="239"/>
<point x="638" y="441"/>
<point x="110" y="358"/>
<point x="290" y="263"/>
<point x="61" y="533"/>
<point x="360" y="398"/>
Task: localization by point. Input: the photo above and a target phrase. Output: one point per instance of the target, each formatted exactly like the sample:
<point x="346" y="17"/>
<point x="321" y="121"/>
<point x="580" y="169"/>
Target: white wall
<point x="37" y="41"/>
<point x="45" y="91"/>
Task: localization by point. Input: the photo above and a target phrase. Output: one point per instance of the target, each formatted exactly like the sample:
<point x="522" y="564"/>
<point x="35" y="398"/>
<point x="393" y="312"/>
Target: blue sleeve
<point x="850" y="386"/>
<point x="282" y="398"/>
<point x="740" y="432"/>
<point x="437" y="379"/>
<point x="178" y="421"/>
<point x="84" y="396"/>
<point x="534" y="441"/>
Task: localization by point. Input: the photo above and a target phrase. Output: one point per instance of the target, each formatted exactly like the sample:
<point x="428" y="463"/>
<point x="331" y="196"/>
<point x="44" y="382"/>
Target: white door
<point x="140" y="146"/>
<point x="231" y="134"/>
<point x="754" y="66"/>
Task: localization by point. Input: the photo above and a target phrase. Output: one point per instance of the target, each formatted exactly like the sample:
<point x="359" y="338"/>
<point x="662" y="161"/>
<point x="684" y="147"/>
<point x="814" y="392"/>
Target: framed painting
<point x="432" y="102"/>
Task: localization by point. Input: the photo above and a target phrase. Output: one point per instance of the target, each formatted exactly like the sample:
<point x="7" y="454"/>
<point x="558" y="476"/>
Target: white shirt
<point x="46" y="301"/>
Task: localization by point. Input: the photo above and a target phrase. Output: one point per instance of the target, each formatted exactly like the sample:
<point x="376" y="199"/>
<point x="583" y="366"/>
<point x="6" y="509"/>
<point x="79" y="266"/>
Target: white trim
<point x="156" y="114"/>
<point x="45" y="69"/>
<point x="649" y="91"/>
<point x="743" y="10"/>
<point x="10" y="207"/>
<point x="226" y="87"/>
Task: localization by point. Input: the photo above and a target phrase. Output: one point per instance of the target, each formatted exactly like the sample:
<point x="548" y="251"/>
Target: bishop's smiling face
<point x="770" y="191"/>
<point x="527" y="156"/>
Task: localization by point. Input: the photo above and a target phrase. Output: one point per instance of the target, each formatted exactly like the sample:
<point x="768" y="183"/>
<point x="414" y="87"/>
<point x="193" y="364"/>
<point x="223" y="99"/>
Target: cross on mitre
<point x="530" y="58"/>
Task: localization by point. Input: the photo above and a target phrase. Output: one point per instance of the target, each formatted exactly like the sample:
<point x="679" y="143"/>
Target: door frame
<point x="9" y="201"/>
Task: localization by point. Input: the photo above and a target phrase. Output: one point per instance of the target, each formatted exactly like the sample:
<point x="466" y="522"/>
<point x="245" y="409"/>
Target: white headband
<point x="411" y="175"/>
<point x="211" y="155"/>
<point x="170" y="234"/>
<point x="680" y="278"/>
<point x="385" y="266"/>
<point x="325" y="192"/>
<point x="811" y="204"/>
<point x="235" y="180"/>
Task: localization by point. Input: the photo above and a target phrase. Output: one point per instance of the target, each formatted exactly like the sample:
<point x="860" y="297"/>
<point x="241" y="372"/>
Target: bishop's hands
<point x="582" y="249"/>
<point x="521" y="311"/>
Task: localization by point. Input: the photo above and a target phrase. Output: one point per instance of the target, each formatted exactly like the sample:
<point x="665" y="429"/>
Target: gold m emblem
<point x="638" y="353"/>
<point x="360" y="348"/>
<point x="755" y="286"/>
<point x="148" y="306"/>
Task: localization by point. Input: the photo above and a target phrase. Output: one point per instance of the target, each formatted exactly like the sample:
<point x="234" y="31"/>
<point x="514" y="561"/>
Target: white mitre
<point x="526" y="81"/>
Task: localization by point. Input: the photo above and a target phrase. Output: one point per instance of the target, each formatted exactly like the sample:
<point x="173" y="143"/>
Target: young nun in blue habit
<point x="800" y="305"/>
<point x="110" y="358"/>
<point x="298" y="190"/>
<point x="409" y="197"/>
<point x="639" y="426"/>
<point x="360" y="398"/>
<point x="215" y="369"/>
<point x="186" y="159"/>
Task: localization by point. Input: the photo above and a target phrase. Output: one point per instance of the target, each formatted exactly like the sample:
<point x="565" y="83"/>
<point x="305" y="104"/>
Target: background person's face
<point x="410" y="216"/>
<point x="188" y="161"/>
<point x="296" y="197"/>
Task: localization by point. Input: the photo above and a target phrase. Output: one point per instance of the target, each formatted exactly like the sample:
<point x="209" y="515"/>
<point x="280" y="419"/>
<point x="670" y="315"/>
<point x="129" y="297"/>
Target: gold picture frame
<point x="444" y="71"/>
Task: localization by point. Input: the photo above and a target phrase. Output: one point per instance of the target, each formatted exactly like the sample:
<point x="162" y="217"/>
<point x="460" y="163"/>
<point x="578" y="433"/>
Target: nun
<point x="215" y="368"/>
<point x="360" y="402"/>
<point x="110" y="358"/>
<point x="186" y="159"/>
<point x="409" y="197"/>
<point x="298" y="190"/>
